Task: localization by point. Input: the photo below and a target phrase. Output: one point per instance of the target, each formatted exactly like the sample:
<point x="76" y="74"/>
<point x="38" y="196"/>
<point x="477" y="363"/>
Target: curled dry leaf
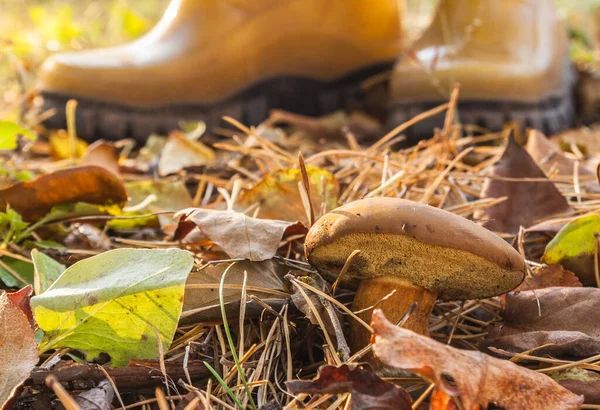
<point x="279" y="198"/>
<point x="21" y="299"/>
<point x="527" y="202"/>
<point x="181" y="152"/>
<point x="580" y="381"/>
<point x="103" y="154"/>
<point x="90" y="184"/>
<point x="18" y="350"/>
<point x="368" y="390"/>
<point x="574" y="247"/>
<point x="479" y="380"/>
<point x="265" y="280"/>
<point x="98" y="398"/>
<point x="566" y="319"/>
<point x="238" y="235"/>
<point x="550" y="276"/>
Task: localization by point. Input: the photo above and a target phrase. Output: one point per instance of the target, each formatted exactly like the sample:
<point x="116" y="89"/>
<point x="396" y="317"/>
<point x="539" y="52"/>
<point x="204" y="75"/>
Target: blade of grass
<point x="230" y="339"/>
<point x="224" y="385"/>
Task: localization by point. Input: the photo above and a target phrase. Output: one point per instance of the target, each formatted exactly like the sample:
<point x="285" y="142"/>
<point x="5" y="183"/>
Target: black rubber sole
<point x="96" y="119"/>
<point x="554" y="113"/>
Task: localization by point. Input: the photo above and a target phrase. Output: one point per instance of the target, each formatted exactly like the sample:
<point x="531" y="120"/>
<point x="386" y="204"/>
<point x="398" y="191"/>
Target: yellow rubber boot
<point x="209" y="58"/>
<point x="510" y="58"/>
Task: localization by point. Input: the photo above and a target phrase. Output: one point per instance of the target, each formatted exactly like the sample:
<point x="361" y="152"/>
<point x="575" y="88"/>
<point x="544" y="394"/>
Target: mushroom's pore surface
<point x="453" y="274"/>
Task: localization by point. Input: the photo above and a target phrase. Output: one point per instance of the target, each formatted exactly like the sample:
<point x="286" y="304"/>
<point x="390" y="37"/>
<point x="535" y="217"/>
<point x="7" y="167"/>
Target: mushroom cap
<point x="426" y="246"/>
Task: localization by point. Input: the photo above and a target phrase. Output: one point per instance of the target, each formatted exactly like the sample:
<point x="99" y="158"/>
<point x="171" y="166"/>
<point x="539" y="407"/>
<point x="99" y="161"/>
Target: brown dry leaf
<point x="549" y="156"/>
<point x="21" y="299"/>
<point x="569" y="320"/>
<point x="265" y="280"/>
<point x="527" y="202"/>
<point x="279" y="197"/>
<point x="479" y="380"/>
<point x="18" y="350"/>
<point x="441" y="401"/>
<point x="89" y="184"/>
<point x="103" y="154"/>
<point x="181" y="152"/>
<point x="238" y="235"/>
<point x="368" y="390"/>
<point x="549" y="276"/>
<point x="316" y="281"/>
<point x="98" y="398"/>
<point x="580" y="381"/>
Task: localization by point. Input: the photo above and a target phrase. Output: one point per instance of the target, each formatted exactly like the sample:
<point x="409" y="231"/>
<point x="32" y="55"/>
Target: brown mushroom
<point x="423" y="252"/>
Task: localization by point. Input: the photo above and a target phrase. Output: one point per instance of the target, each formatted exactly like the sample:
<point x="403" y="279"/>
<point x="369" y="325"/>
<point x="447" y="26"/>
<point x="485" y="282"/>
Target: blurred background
<point x="32" y="29"/>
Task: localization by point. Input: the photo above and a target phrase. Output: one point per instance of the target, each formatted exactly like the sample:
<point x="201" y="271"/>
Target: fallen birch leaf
<point x="89" y="184"/>
<point x="265" y="280"/>
<point x="567" y="319"/>
<point x="527" y="202"/>
<point x="368" y="390"/>
<point x="479" y="380"/>
<point x="181" y="152"/>
<point x="238" y="235"/>
<point x="573" y="247"/>
<point x="18" y="350"/>
<point x="116" y="302"/>
<point x="279" y="198"/>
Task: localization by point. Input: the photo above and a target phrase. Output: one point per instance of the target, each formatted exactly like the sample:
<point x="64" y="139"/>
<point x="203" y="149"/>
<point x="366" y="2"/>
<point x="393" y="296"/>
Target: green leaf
<point x="573" y="247"/>
<point x="21" y="268"/>
<point x="9" y="135"/>
<point x="47" y="270"/>
<point x="116" y="302"/>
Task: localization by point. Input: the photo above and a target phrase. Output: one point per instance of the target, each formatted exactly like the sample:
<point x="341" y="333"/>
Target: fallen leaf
<point x="21" y="268"/>
<point x="87" y="236"/>
<point x="89" y="184"/>
<point x="279" y="198"/>
<point x="580" y="381"/>
<point x="550" y="276"/>
<point x="368" y="390"/>
<point x="527" y="202"/>
<point x="573" y="247"/>
<point x="18" y="350"/>
<point x="181" y="152"/>
<point x="441" y="401"/>
<point x="46" y="271"/>
<point x="103" y="154"/>
<point x="238" y="235"/>
<point x="167" y="195"/>
<point x="265" y="280"/>
<point x="9" y="135"/>
<point x="21" y="299"/>
<point x="300" y="302"/>
<point x="60" y="146"/>
<point x="479" y="380"/>
<point x="568" y="319"/>
<point x="549" y="156"/>
<point x="116" y="302"/>
<point x="98" y="398"/>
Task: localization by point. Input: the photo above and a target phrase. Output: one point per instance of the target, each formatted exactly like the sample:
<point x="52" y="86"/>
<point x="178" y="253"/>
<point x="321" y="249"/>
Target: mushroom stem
<point x="371" y="291"/>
